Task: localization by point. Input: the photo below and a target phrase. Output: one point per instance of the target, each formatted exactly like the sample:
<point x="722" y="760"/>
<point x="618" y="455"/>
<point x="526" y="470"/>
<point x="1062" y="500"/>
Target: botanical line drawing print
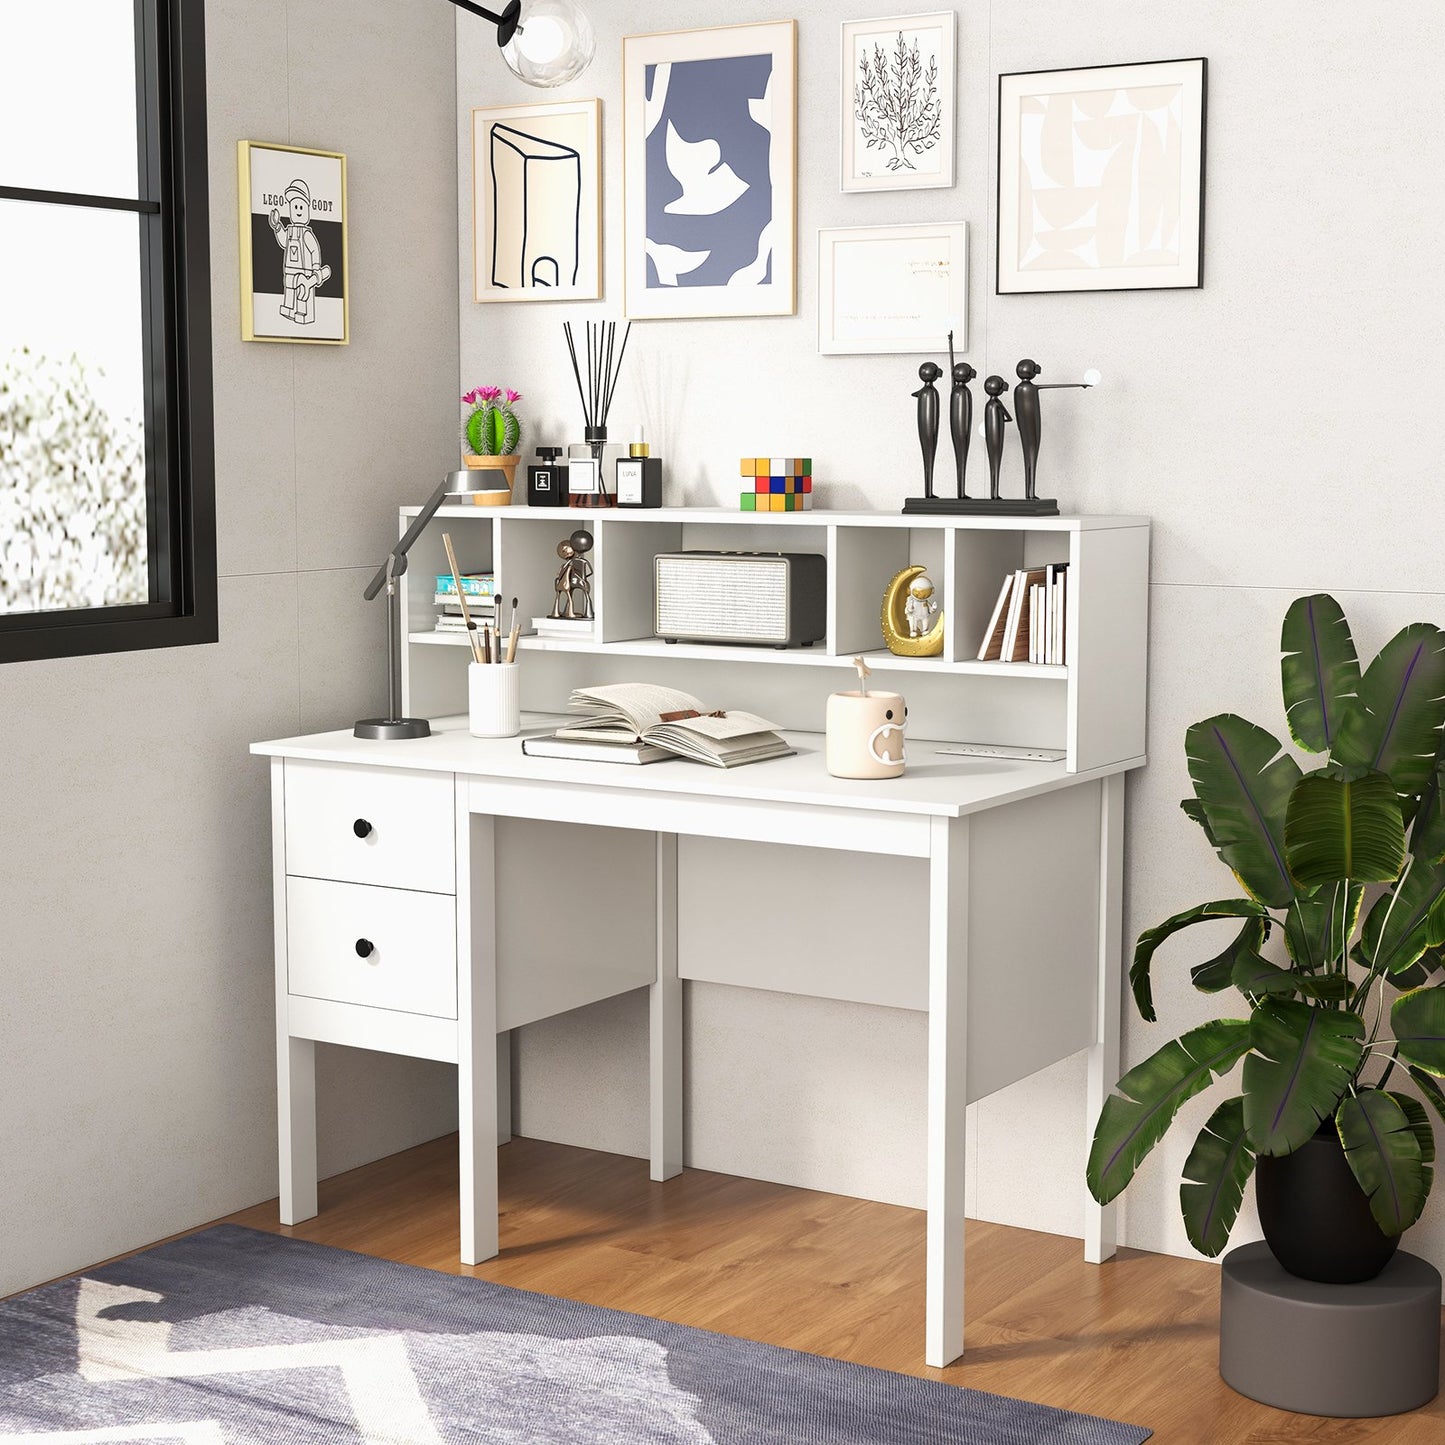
<point x="301" y="260"/>
<point x="896" y="103"/>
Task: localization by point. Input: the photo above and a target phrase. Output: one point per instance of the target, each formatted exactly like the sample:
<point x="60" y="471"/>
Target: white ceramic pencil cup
<point x="494" y="694"/>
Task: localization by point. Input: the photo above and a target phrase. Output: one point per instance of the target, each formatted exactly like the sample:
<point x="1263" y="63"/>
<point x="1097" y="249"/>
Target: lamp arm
<point x="506" y="22"/>
<point x="398" y="553"/>
<point x="1064" y="386"/>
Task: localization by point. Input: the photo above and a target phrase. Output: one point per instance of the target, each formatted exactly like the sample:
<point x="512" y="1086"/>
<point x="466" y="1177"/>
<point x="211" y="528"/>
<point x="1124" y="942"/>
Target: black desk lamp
<point x="543" y="42"/>
<point x="393" y="725"/>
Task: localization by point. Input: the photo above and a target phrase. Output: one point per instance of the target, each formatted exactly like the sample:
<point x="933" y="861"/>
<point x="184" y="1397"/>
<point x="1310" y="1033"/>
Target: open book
<point x="643" y="721"/>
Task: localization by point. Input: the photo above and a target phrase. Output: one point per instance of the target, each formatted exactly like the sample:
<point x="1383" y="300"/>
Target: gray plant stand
<point x="1351" y="1350"/>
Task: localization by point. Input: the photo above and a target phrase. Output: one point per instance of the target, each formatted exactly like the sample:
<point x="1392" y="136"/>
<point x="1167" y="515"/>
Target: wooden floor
<point x="1134" y="1340"/>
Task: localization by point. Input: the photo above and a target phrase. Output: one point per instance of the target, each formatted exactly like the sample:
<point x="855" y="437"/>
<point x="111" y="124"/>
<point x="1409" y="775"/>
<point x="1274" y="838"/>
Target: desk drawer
<point x="379" y="947"/>
<point x="371" y="825"/>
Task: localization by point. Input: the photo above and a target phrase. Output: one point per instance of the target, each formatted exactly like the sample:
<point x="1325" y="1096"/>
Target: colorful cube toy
<point x="779" y="484"/>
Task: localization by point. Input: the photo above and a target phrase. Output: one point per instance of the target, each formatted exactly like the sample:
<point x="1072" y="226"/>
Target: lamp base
<point x="392" y="729"/>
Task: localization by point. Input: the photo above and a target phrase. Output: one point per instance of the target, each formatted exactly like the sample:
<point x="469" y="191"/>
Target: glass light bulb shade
<point x="554" y="43"/>
<point x="1092" y="377"/>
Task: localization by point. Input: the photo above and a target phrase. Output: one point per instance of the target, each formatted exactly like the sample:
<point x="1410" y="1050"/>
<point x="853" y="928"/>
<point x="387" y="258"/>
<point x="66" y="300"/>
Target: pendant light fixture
<point x="543" y="42"/>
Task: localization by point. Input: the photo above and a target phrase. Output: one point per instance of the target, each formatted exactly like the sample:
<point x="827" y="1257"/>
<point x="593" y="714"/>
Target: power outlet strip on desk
<point x="1092" y="709"/>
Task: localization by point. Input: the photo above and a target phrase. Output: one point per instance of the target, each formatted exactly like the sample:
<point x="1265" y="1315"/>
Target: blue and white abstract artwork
<point x="708" y="173"/>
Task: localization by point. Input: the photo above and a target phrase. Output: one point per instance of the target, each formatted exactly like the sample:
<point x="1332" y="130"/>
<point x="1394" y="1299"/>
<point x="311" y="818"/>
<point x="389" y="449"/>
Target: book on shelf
<point x="474" y="584"/>
<point x="641" y="715"/>
<point x="1027" y="621"/>
<point x="452" y="602"/>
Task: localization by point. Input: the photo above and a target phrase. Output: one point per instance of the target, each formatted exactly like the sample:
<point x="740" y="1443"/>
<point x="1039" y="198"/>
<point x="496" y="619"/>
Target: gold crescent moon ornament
<point x="894" y="619"/>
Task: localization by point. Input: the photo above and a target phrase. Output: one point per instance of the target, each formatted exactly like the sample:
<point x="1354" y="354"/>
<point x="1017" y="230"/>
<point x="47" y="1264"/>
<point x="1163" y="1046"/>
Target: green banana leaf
<point x="1218" y="1168"/>
<point x="1427" y="836"/>
<point x="1429" y="1086"/>
<point x="1339" y="828"/>
<point x="1244" y="780"/>
<point x="1420" y="972"/>
<point x="1193" y="808"/>
<point x="1259" y="977"/>
<point x="1418" y="1021"/>
<point x="1397" y="927"/>
<point x="1317" y="928"/>
<point x="1393" y="726"/>
<point x="1151" y="938"/>
<point x="1319" y="669"/>
<point x="1216" y="974"/>
<point x="1138" y="1115"/>
<point x="1384" y="1156"/>
<point x="1303" y="1059"/>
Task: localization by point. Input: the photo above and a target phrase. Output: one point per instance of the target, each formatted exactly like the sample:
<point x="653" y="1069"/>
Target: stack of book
<point x="1029" y="620"/>
<point x="481" y="590"/>
<point x="638" y="722"/>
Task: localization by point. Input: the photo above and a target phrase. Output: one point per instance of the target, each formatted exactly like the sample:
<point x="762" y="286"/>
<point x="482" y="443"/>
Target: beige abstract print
<point x="1100" y="181"/>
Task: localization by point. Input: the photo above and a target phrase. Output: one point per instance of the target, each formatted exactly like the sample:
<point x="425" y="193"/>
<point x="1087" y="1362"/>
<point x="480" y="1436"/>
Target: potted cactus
<point x="491" y="435"/>
<point x="1333" y="979"/>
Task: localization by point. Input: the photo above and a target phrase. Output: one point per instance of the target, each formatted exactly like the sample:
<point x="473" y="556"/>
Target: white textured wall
<point x="137" y="1092"/>
<point x="1277" y="425"/>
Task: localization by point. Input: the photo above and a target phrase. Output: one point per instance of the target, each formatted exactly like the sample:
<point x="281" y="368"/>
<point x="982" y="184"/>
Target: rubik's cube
<point x="779" y="484"/>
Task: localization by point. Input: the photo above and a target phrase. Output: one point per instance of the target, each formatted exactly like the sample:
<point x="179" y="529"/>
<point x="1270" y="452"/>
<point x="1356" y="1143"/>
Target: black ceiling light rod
<point x="506" y="22"/>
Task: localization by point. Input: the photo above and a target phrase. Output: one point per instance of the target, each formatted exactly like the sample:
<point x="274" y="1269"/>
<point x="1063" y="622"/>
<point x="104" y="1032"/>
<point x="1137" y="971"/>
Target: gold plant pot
<point x="506" y="465"/>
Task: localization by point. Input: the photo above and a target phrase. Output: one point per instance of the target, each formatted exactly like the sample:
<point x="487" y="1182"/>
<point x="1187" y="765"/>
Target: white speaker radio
<point x="774" y="599"/>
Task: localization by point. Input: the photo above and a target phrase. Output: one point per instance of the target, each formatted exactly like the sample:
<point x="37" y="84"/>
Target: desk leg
<point x="1100" y="1239"/>
<point x="665" y="1021"/>
<point x="947" y="1085"/>
<point x="477" y="1029"/>
<point x="296" y="1120"/>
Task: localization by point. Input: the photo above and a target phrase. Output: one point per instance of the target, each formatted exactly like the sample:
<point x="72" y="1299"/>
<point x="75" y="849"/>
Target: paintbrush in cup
<point x="515" y="633"/>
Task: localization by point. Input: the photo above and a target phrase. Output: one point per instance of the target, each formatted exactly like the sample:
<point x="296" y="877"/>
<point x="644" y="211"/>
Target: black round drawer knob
<point x="361" y="828"/>
<point x="365" y="948"/>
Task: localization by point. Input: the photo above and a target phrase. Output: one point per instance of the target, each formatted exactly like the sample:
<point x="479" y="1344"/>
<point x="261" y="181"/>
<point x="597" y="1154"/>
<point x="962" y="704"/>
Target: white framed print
<point x="537" y="201"/>
<point x="710" y="161"/>
<point x="1101" y="178"/>
<point x="892" y="289"/>
<point x="295" y="282"/>
<point x="899" y="102"/>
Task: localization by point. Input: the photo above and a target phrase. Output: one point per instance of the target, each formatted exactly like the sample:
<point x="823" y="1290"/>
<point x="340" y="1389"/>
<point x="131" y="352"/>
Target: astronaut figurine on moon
<point x="920" y="608"/>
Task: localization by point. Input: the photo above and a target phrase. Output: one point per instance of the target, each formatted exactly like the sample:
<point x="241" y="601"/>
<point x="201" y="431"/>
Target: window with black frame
<point x="107" y="528"/>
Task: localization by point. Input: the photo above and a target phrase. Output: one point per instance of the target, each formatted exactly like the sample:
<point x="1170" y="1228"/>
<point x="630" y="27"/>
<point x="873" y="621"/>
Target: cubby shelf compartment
<point x="1094" y="710"/>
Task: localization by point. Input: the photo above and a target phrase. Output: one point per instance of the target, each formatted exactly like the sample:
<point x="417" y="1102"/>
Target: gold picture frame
<point x="716" y="255"/>
<point x="294" y="269"/>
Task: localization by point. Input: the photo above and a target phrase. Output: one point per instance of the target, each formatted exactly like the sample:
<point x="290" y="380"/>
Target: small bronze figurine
<point x="928" y="408"/>
<point x="995" y="416"/>
<point x="1030" y="422"/>
<point x="574" y="580"/>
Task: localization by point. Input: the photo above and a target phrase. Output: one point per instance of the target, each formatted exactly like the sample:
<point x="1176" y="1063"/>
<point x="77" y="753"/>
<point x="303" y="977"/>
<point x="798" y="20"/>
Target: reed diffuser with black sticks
<point x="596" y="375"/>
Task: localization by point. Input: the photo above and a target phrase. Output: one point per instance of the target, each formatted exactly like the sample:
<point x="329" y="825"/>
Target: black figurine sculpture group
<point x="995" y="418"/>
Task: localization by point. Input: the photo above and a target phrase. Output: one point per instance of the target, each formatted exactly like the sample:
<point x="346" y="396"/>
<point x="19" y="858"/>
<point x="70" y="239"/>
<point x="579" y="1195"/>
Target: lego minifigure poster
<point x="293" y="244"/>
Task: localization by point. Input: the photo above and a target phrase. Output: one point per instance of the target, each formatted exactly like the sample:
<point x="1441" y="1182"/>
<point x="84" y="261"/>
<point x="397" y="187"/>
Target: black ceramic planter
<point x="1316" y="1218"/>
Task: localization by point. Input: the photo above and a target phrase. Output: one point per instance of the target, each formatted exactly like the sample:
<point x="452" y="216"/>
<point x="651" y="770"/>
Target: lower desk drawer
<point x="379" y="947"/>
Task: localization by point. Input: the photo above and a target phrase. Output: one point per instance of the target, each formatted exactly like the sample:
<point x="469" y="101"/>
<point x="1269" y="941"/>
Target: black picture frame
<point x="1000" y="232"/>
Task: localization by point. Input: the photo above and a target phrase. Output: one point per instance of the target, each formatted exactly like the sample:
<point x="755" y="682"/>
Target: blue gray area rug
<point x="234" y="1336"/>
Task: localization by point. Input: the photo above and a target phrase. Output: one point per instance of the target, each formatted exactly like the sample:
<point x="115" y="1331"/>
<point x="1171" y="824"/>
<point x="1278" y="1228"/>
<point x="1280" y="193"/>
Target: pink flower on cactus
<point x="513" y="396"/>
<point x="469" y="398"/>
<point x="489" y="393"/>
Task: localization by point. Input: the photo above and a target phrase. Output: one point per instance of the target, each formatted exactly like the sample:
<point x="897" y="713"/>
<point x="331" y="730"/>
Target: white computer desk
<point x="386" y="936"/>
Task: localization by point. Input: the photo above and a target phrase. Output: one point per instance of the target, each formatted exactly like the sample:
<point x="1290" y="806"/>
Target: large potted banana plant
<point x="1336" y="1005"/>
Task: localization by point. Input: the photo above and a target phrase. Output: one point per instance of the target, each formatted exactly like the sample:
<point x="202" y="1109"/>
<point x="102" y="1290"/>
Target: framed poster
<point x="710" y="125"/>
<point x="892" y="288"/>
<point x="293" y="244"/>
<point x="899" y="103"/>
<point x="1101" y="178"/>
<point x="537" y="202"/>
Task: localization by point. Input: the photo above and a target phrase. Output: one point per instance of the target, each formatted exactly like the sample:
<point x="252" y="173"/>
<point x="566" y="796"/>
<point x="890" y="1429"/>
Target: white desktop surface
<point x="935" y="784"/>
